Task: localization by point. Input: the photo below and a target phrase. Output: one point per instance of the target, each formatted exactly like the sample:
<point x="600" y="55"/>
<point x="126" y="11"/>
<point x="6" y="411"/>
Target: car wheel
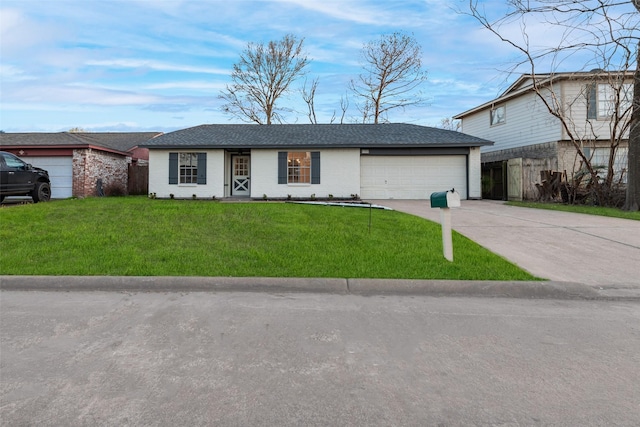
<point x="42" y="192"/>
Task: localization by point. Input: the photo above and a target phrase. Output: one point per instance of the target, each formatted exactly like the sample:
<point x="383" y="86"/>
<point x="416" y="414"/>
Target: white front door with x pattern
<point x="240" y="176"/>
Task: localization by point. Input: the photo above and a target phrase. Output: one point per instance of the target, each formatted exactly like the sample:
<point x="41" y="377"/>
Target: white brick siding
<point x="339" y="174"/>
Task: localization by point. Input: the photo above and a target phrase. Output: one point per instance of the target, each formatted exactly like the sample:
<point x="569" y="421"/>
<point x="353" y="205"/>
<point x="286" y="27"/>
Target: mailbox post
<point x="445" y="200"/>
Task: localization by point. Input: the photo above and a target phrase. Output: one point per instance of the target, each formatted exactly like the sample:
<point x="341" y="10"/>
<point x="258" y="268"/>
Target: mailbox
<point x="445" y="199"/>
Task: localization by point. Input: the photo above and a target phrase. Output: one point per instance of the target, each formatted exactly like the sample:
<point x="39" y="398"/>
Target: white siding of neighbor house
<point x="159" y="175"/>
<point x="575" y="101"/>
<point x="339" y="174"/>
<point x="475" y="174"/>
<point x="527" y="122"/>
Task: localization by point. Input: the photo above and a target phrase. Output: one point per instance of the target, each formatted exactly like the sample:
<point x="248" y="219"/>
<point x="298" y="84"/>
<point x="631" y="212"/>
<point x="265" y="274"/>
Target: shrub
<point x="115" y="189"/>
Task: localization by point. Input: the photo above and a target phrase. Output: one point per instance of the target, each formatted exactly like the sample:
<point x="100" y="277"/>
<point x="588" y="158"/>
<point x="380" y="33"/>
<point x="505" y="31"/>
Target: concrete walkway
<point x="560" y="246"/>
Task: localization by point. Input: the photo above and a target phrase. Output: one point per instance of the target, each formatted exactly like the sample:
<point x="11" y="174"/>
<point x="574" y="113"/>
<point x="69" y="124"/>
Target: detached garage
<point x="80" y="164"/>
<point x="372" y="161"/>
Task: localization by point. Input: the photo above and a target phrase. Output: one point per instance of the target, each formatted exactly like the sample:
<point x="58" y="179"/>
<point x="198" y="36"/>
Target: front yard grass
<point x="590" y="210"/>
<point x="137" y="236"/>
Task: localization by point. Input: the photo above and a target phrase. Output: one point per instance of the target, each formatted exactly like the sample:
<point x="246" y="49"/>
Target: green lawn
<point x="591" y="210"/>
<point x="143" y="237"/>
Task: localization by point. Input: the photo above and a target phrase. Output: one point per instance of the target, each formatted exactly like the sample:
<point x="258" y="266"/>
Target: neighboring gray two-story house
<point x="529" y="139"/>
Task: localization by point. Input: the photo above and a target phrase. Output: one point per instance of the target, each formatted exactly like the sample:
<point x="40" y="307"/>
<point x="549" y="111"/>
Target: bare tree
<point x="449" y="124"/>
<point x="392" y="76"/>
<point x="608" y="30"/>
<point x="632" y="202"/>
<point x="262" y="76"/>
<point x="309" y="96"/>
<point x="344" y="106"/>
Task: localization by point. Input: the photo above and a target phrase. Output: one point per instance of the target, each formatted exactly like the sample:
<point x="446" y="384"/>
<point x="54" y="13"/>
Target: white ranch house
<point x="385" y="161"/>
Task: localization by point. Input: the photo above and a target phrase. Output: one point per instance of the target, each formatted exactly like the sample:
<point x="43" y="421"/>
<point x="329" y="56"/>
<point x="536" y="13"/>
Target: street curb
<point x="488" y="289"/>
<point x="170" y="284"/>
<point x="479" y="288"/>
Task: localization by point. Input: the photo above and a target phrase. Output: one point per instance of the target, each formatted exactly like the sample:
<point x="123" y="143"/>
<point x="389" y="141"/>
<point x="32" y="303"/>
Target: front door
<point x="240" y="176"/>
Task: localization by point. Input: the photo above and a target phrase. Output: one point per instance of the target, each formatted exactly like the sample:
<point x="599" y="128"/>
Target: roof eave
<point x="298" y="146"/>
<point x="544" y="80"/>
<point x="65" y="147"/>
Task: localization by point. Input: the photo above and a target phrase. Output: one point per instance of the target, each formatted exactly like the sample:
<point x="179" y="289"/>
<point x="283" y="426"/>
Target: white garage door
<point x="60" y="173"/>
<point x="411" y="177"/>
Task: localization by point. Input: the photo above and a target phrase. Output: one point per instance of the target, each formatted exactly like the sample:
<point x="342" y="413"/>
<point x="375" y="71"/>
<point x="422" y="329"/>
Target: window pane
<point x="497" y="115"/>
<point x="607" y="99"/>
<point x="299" y="167"/>
<point x="188" y="167"/>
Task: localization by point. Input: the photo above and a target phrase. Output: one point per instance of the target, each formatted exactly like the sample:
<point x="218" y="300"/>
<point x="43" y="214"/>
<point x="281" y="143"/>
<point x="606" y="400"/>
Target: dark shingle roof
<point x="308" y="135"/>
<point x="118" y="141"/>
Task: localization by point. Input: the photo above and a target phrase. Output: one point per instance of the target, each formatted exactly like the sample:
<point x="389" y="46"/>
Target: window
<point x="602" y="100"/>
<point x="299" y="167"/>
<point x="188" y="168"/>
<point x="13" y="162"/>
<point x="498" y="115"/>
<point x="607" y="99"/>
<point x="600" y="161"/>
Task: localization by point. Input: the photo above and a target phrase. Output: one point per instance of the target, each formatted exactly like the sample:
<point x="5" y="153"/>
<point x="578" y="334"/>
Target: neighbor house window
<point x="498" y="115"/>
<point x="299" y="167"/>
<point x="607" y="99"/>
<point x="600" y="161"/>
<point x="187" y="168"/>
<point x="602" y="100"/>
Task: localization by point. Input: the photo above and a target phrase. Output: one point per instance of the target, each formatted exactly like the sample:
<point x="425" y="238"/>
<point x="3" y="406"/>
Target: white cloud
<point x="191" y="85"/>
<point x="39" y="94"/>
<point x="155" y="65"/>
<point x="19" y="33"/>
<point x="343" y="10"/>
<point x="9" y="73"/>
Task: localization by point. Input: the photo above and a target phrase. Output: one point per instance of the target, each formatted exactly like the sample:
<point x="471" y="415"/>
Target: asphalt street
<point x="284" y="359"/>
<point x="87" y="351"/>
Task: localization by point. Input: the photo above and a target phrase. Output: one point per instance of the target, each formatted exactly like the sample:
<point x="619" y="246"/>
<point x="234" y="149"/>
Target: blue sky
<point x="125" y="65"/>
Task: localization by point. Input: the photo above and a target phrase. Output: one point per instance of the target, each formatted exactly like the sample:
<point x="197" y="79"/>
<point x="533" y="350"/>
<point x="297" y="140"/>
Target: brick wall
<point x="90" y="165"/>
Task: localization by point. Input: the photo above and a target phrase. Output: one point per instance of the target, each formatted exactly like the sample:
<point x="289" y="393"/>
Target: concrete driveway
<point x="560" y="246"/>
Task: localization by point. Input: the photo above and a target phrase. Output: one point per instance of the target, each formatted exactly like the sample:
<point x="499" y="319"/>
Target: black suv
<point x="18" y="178"/>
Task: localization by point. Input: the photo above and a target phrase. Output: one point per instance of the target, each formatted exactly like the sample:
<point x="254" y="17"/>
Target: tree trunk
<point x="632" y="202"/>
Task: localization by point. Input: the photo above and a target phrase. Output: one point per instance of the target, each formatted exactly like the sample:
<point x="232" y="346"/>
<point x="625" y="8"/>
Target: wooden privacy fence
<point x="138" y="179"/>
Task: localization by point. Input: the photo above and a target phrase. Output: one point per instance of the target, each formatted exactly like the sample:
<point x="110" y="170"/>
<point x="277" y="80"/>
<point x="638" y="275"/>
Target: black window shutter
<point x="173" y="168"/>
<point x="282" y="167"/>
<point x="592" y="106"/>
<point x="202" y="168"/>
<point x="315" y="167"/>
